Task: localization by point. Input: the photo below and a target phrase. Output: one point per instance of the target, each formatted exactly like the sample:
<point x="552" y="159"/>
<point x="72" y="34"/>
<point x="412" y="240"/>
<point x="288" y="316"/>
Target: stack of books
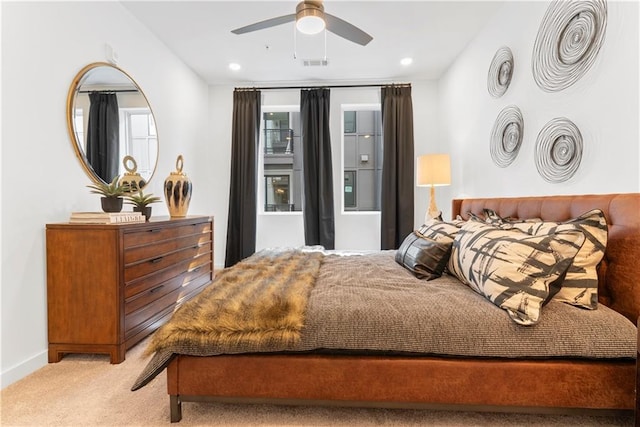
<point x="106" y="217"/>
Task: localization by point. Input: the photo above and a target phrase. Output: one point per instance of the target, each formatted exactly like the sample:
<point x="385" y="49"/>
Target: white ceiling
<point x="433" y="33"/>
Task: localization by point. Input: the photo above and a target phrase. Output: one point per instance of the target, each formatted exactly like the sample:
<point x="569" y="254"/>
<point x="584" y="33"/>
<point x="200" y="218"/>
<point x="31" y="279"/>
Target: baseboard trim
<point x="21" y="370"/>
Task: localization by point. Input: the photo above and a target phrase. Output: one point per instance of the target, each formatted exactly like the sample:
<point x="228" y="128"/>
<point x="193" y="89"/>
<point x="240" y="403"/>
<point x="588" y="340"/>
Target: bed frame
<point x="513" y="385"/>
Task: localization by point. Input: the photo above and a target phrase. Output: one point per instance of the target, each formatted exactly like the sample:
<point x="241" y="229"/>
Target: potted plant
<point x="111" y="194"/>
<point x="141" y="202"/>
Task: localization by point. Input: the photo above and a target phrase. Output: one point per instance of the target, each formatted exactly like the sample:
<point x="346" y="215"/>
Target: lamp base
<point x="432" y="212"/>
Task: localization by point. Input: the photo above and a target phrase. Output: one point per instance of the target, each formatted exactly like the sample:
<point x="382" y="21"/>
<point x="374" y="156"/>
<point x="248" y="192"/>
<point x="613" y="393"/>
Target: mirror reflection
<point x="110" y="120"/>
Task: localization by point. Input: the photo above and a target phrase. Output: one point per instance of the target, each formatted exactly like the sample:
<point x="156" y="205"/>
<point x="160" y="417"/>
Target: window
<point x="362" y="154"/>
<point x="139" y="138"/>
<point x="282" y="160"/>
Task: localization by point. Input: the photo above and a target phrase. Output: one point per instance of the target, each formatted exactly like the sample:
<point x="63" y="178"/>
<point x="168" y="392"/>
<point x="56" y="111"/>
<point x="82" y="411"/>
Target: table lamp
<point x="433" y="170"/>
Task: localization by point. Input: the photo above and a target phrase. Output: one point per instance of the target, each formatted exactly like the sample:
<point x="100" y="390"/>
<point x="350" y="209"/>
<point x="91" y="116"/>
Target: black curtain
<point x="397" y="166"/>
<point x="241" y="225"/>
<point x="319" y="228"/>
<point x="103" y="135"/>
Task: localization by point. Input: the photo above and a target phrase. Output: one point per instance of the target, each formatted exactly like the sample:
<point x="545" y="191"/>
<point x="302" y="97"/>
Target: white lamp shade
<point x="434" y="170"/>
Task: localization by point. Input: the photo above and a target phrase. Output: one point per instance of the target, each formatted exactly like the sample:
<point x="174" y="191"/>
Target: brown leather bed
<point x="447" y="382"/>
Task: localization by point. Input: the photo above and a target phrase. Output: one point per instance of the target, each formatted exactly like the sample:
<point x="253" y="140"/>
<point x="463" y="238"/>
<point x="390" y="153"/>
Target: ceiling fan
<point x="311" y="18"/>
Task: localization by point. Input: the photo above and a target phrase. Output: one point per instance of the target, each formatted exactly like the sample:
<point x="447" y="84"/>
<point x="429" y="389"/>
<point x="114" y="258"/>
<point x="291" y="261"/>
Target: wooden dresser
<point x="110" y="286"/>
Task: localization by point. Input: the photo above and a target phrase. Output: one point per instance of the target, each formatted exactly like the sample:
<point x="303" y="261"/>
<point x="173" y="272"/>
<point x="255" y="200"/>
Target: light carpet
<point x="86" y="390"/>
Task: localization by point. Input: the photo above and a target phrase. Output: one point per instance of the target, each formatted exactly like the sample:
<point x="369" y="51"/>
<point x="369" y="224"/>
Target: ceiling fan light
<point x="310" y="21"/>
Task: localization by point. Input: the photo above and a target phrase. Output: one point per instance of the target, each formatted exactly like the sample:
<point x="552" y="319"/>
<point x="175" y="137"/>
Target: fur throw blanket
<point x="260" y="300"/>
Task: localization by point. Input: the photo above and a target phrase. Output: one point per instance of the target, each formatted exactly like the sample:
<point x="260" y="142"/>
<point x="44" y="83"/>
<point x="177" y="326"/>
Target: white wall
<point x="44" y="45"/>
<point x="603" y="104"/>
<point x="353" y="230"/>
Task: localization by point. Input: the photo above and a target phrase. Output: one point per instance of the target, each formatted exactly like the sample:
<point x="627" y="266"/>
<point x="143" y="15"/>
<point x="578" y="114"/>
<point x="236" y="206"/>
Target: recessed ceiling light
<point x="406" y="61"/>
<point x="234" y="66"/>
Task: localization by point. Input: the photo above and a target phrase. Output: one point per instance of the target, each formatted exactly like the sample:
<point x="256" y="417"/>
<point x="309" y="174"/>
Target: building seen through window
<point x="282" y="161"/>
<point x="362" y="174"/>
<point x="362" y="160"/>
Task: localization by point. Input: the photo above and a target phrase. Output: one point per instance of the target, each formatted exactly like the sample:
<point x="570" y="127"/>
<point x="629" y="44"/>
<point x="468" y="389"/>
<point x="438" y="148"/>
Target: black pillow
<point x="424" y="257"/>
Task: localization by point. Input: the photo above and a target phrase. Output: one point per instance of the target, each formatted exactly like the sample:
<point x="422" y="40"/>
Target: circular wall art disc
<point x="506" y="136"/>
<point x="568" y="41"/>
<point x="500" y="72"/>
<point x="558" y="150"/>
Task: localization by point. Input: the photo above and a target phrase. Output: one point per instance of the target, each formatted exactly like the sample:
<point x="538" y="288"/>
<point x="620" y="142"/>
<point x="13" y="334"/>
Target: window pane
<point x="78" y="125"/>
<point x="349" y="189"/>
<point x="349" y="122"/>
<point x="277" y="193"/>
<point x="282" y="161"/>
<point x="362" y="145"/>
<point x="139" y="125"/>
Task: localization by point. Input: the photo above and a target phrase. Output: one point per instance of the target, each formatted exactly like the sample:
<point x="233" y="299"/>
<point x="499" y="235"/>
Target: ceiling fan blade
<point x="268" y="23"/>
<point x="346" y="30"/>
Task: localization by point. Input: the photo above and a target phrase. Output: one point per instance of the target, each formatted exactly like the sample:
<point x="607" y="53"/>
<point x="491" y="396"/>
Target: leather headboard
<point x="619" y="271"/>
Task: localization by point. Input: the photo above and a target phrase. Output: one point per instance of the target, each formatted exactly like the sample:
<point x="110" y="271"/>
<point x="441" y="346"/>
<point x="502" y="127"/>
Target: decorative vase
<point x="111" y="204"/>
<point x="131" y="177"/>
<point x="177" y="191"/>
<point x="146" y="212"/>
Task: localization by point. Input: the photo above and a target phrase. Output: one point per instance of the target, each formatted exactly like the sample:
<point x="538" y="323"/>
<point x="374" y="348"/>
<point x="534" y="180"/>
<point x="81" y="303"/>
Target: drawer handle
<point x="195" y="270"/>
<point x="153" y="230"/>
<point x="156" y="289"/>
<point x="156" y="260"/>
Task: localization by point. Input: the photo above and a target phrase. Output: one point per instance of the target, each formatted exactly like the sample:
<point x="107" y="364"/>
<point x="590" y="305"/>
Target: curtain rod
<point x="109" y="90"/>
<point x="324" y="86"/>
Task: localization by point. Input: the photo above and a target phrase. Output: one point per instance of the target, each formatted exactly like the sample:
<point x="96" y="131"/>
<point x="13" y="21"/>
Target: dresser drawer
<point x="155" y="264"/>
<point x="150" y="295"/>
<point x="138" y="319"/>
<point x="197" y="265"/>
<point x="155" y="251"/>
<point x="158" y="233"/>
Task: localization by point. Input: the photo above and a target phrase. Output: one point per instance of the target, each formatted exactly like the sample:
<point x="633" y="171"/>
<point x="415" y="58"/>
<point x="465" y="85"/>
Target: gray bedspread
<point x="369" y="302"/>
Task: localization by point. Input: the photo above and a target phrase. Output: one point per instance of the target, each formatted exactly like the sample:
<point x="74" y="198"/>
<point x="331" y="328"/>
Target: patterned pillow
<point x="424" y="257"/>
<point x="516" y="271"/>
<point x="440" y="231"/>
<point x="491" y="217"/>
<point x="580" y="286"/>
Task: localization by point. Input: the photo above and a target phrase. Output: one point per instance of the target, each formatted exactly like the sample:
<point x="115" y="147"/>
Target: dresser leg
<point x="54" y="355"/>
<point x="117" y="354"/>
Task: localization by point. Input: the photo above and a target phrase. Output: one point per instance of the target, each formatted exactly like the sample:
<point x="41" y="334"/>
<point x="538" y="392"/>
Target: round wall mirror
<point x="110" y="122"/>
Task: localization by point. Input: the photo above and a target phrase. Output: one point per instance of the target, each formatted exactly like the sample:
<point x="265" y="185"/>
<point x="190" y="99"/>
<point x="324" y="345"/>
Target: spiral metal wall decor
<point x="500" y="72"/>
<point x="568" y="41"/>
<point x="506" y="136"/>
<point x="558" y="150"/>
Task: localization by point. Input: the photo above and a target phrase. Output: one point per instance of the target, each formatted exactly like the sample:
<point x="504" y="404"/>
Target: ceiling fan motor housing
<point x="309" y="8"/>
